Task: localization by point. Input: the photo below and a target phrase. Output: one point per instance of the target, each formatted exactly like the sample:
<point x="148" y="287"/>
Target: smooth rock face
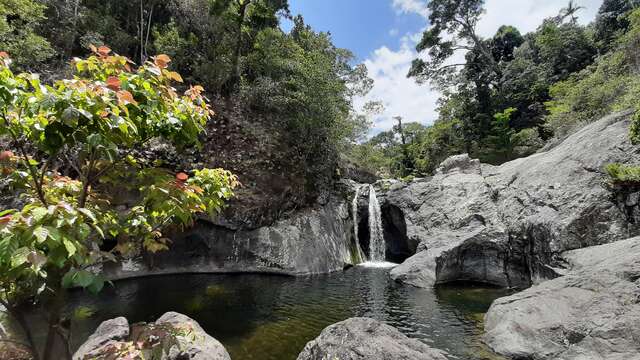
<point x="593" y="312"/>
<point x="313" y="241"/>
<point x="506" y="225"/>
<point x="190" y="343"/>
<point x="366" y="339"/>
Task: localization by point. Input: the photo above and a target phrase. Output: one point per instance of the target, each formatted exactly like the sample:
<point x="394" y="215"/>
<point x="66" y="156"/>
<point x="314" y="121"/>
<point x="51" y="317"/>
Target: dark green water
<point x="272" y="318"/>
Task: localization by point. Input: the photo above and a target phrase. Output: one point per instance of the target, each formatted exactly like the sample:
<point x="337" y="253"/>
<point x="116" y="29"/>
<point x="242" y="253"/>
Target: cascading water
<point x="377" y="245"/>
<point x="354" y="207"/>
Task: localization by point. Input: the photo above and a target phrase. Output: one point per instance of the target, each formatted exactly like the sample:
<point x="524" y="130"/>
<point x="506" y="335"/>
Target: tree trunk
<point x="235" y="76"/>
<point x="55" y="314"/>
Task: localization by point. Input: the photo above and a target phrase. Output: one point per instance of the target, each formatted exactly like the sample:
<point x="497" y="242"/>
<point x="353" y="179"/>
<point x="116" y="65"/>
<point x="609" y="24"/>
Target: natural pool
<point x="272" y="317"/>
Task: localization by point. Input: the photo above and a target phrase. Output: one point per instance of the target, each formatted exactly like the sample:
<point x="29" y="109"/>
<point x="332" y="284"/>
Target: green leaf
<point x="7" y="212"/>
<point x="94" y="139"/>
<point x="41" y="234"/>
<point x="96" y="286"/>
<point x="71" y="248"/>
<point x="88" y="213"/>
<point x="83" y="278"/>
<point x="38" y="213"/>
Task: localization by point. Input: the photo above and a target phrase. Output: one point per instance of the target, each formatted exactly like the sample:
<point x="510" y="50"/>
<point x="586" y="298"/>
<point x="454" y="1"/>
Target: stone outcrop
<point x="364" y="339"/>
<point x="506" y="225"/>
<point x="312" y="241"/>
<point x="172" y="337"/>
<point x="592" y="312"/>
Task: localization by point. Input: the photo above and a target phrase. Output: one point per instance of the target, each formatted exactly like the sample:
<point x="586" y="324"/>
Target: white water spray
<point x="377" y="245"/>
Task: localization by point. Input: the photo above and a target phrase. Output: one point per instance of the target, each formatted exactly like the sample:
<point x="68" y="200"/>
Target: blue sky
<point x="383" y="34"/>
<point x="360" y="26"/>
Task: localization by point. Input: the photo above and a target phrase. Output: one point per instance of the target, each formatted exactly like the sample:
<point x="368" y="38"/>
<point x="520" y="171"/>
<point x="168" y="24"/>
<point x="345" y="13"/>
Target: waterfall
<point x="377" y="245"/>
<point x="354" y="207"/>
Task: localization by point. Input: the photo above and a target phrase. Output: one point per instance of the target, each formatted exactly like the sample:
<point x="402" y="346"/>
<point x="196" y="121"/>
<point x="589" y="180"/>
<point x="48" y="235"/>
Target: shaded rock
<point x="593" y="312"/>
<point x="312" y="241"/>
<point x="364" y="339"/>
<point x="506" y="225"/>
<point x="172" y="337"/>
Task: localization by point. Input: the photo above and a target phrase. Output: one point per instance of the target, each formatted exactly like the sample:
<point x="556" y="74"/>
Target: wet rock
<point x="172" y="337"/>
<point x="506" y="225"/>
<point x="312" y="241"/>
<point x="593" y="312"/>
<point x="364" y="339"/>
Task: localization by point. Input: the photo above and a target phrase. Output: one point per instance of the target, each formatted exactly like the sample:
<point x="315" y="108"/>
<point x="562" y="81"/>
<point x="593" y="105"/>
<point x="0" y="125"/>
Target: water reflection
<point x="272" y="318"/>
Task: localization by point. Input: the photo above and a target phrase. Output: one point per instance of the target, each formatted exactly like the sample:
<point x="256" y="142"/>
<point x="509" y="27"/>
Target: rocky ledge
<point x="364" y="339"/>
<point x="507" y="225"/>
<point x="172" y="337"/>
<point x="593" y="312"/>
<point x="311" y="241"/>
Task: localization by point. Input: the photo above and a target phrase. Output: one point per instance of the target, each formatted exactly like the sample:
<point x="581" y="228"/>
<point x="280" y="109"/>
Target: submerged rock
<point x="172" y="337"/>
<point x="506" y="225"/>
<point x="365" y="339"/>
<point x="593" y="312"/>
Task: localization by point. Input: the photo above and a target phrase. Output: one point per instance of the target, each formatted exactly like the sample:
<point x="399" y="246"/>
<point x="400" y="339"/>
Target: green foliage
<point x="18" y="22"/>
<point x="306" y="84"/>
<point x="612" y="22"/>
<point x="611" y="84"/>
<point x="93" y="123"/>
<point x="622" y="174"/>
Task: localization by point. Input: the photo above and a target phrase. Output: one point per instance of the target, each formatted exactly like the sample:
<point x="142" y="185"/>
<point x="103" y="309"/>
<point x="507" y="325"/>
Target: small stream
<point x="272" y="317"/>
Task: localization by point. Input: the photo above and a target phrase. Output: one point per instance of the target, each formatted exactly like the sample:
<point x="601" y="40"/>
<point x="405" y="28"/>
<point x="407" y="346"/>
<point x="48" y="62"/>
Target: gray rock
<point x="591" y="313"/>
<point x="366" y="339"/>
<point x="108" y="334"/>
<point x="313" y="241"/>
<point x="204" y="347"/>
<point x="506" y="225"/>
<point x="185" y="340"/>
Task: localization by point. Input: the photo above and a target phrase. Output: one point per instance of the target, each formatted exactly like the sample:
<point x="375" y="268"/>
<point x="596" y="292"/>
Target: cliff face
<point x="313" y="241"/>
<point x="507" y="225"/>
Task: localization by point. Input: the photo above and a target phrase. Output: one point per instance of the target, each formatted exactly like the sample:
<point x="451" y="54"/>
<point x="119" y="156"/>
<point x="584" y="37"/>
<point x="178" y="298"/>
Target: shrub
<point x="92" y="124"/>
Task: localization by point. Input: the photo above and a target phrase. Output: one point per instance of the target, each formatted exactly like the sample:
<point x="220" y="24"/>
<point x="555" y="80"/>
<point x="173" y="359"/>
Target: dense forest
<point x="291" y="94"/>
<point x="514" y="92"/>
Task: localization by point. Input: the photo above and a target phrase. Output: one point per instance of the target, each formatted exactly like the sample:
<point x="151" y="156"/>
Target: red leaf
<point x="6" y="155"/>
<point x="4" y="55"/>
<point x="125" y="97"/>
<point x="162" y="61"/>
<point x="182" y="177"/>
<point x="104" y="50"/>
<point x="113" y="83"/>
<point x="5" y="219"/>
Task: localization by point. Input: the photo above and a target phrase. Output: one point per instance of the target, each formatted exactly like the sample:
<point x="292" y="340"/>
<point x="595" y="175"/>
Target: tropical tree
<point x="453" y="29"/>
<point x="18" y="22"/>
<point x="74" y="142"/>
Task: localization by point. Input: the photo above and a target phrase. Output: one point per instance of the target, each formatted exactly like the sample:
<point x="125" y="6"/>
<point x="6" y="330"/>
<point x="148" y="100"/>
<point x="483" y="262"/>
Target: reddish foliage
<point x="182" y="177"/>
<point x="6" y="155"/>
<point x="113" y="83"/>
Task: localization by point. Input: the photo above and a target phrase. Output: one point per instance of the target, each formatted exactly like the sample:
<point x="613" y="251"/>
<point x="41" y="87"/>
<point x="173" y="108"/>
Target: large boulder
<point x="172" y="337"/>
<point x="312" y="241"/>
<point x="365" y="339"/>
<point x="506" y="225"/>
<point x="593" y="312"/>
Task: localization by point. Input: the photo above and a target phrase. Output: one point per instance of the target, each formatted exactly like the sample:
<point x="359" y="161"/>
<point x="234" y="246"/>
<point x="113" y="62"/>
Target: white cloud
<point x="411" y="6"/>
<point x="403" y="97"/>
